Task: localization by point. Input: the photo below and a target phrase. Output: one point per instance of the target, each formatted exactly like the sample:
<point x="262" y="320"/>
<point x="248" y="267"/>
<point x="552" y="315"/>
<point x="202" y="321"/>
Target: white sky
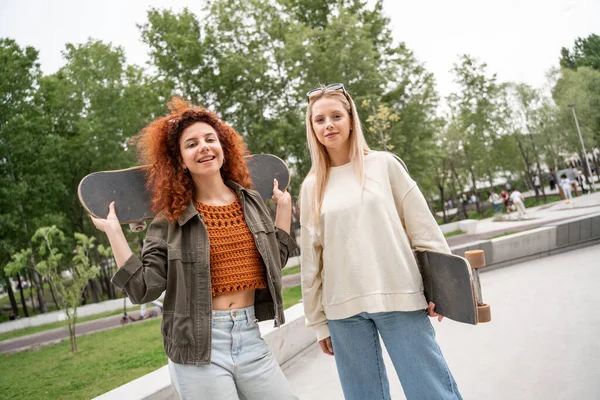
<point x="519" y="40"/>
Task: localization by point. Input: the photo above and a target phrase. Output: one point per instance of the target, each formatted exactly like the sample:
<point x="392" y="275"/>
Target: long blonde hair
<point x="318" y="153"/>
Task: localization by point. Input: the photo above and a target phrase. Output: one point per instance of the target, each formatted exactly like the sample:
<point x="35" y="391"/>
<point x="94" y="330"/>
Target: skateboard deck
<point x="127" y="188"/>
<point x="448" y="283"/>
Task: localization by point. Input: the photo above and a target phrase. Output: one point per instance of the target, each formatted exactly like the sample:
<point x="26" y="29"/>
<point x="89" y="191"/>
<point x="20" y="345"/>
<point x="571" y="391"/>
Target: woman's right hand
<point x="326" y="346"/>
<point x="111" y="222"/>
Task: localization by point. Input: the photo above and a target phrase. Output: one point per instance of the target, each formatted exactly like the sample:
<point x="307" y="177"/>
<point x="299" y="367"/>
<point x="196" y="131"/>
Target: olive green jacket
<point x="176" y="260"/>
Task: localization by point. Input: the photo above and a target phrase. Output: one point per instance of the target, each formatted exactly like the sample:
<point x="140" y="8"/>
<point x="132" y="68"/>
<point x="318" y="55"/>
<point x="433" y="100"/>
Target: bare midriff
<point x="235" y="300"/>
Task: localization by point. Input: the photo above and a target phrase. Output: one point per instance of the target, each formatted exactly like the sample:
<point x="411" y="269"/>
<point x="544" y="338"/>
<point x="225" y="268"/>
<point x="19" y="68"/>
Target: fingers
<point x="326" y="346"/>
<point x="431" y="312"/>
<point x="275" y="185"/>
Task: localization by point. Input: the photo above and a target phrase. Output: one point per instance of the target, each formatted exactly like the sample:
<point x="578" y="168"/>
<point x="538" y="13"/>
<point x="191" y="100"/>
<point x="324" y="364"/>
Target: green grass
<point x="291" y="296"/>
<point x="105" y="361"/>
<point x="454" y="233"/>
<point x="61" y="324"/>
<point x="530" y="201"/>
<point x="290" y="271"/>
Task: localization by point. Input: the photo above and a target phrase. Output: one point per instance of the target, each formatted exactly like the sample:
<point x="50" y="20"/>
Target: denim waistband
<point x="240" y="314"/>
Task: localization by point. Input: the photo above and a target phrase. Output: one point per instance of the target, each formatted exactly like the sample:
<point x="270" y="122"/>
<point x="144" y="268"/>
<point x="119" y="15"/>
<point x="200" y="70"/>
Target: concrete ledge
<point x="153" y="386"/>
<point x="468" y="225"/>
<point x="522" y="244"/>
<point x="447" y="228"/>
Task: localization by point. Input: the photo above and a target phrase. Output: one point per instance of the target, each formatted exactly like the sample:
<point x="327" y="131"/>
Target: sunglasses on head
<point x="333" y="86"/>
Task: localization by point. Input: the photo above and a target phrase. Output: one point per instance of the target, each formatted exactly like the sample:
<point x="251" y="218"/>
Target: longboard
<point x="127" y="188"/>
<point x="452" y="284"/>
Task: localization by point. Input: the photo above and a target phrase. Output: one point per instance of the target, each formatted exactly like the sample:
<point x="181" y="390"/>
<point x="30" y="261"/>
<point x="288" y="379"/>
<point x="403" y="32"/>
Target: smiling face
<point x="201" y="151"/>
<point x="331" y="125"/>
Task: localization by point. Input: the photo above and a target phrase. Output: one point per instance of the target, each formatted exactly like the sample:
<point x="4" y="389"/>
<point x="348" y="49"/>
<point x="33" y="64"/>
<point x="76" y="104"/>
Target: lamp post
<point x="587" y="164"/>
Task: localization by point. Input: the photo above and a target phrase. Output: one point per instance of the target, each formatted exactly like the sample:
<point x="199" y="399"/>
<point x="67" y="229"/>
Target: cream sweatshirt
<point x="359" y="256"/>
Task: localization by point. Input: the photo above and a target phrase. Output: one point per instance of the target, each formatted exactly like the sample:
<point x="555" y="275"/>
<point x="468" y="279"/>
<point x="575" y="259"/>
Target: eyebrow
<point x="206" y="134"/>
<point x="333" y="112"/>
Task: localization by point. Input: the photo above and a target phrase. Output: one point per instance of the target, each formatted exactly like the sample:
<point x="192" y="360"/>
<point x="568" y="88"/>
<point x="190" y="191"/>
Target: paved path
<point x="56" y="335"/>
<point x="542" y="342"/>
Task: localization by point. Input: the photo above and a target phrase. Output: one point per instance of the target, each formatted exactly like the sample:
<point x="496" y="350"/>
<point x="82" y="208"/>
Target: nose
<point x="328" y="124"/>
<point x="203" y="147"/>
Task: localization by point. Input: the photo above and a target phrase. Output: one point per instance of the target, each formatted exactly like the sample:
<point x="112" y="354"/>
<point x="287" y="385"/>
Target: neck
<point x="212" y="191"/>
<point x="339" y="156"/>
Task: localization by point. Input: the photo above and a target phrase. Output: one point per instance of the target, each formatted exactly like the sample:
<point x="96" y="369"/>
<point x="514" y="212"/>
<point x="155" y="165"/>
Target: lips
<point x="206" y="159"/>
<point x="331" y="134"/>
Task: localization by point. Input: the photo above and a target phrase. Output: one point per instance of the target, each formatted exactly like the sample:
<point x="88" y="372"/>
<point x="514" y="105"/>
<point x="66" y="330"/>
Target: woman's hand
<point x="283" y="217"/>
<point x="280" y="197"/>
<point x="112" y="228"/>
<point x="432" y="313"/>
<point x="326" y="346"/>
<point x="111" y="223"/>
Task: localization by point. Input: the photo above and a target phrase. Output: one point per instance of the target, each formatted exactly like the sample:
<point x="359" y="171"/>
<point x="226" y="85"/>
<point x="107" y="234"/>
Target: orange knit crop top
<point x="235" y="263"/>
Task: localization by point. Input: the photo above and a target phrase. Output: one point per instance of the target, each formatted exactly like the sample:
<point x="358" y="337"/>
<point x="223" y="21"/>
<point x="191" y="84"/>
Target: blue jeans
<point x="242" y="367"/>
<point x="410" y="341"/>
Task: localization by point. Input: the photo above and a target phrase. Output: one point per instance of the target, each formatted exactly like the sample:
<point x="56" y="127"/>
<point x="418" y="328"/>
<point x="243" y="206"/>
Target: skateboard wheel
<point x="137" y="226"/>
<point x="483" y="313"/>
<point x="476" y="258"/>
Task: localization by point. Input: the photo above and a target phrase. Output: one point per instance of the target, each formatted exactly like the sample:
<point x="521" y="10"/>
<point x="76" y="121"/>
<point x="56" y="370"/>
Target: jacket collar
<point x="191" y="211"/>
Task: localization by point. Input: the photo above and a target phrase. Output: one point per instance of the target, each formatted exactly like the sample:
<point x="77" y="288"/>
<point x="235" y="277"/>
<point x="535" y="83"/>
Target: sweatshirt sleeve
<point x="311" y="267"/>
<point x="421" y="227"/>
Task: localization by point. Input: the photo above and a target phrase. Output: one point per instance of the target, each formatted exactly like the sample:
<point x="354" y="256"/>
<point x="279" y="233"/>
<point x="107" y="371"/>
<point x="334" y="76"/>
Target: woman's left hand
<point x="432" y="313"/>
<point x="279" y="197"/>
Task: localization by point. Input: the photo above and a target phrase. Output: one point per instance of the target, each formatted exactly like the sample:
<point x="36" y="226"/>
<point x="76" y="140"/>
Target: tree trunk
<point x="23" y="303"/>
<point x="53" y="295"/>
<point x="95" y="292"/>
<point x="444" y="217"/>
<point x="477" y="205"/>
<point x="31" y="297"/>
<point x="40" y="292"/>
<point x="11" y="297"/>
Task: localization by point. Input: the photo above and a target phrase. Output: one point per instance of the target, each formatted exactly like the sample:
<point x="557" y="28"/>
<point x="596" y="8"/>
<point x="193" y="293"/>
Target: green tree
<point x="253" y="61"/>
<point x="81" y="270"/>
<point x="582" y="89"/>
<point x="479" y="111"/>
<point x="585" y="53"/>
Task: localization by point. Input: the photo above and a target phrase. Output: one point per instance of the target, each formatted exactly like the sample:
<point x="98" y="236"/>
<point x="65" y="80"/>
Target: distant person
<point x="519" y="201"/>
<point x="505" y="199"/>
<point x="537" y="184"/>
<point x="566" y="186"/>
<point x="552" y="182"/>
<point x="496" y="201"/>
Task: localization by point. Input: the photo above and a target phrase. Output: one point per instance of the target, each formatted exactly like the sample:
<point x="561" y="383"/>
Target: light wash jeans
<point x="410" y="341"/>
<point x="242" y="367"/>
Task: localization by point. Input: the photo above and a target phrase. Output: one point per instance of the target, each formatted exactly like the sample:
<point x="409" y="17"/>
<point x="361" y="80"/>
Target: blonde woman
<point x="362" y="215"/>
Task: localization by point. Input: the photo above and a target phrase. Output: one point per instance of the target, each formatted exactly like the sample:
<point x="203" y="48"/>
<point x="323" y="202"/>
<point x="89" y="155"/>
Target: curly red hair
<point x="158" y="145"/>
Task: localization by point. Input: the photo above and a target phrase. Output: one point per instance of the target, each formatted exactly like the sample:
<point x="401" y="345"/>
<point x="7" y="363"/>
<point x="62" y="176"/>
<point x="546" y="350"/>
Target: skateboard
<point x="127" y="188"/>
<point x="452" y="284"/>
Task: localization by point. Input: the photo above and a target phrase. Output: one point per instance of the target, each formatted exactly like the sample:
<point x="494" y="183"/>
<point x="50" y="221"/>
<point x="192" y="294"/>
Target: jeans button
<point x="234" y="314"/>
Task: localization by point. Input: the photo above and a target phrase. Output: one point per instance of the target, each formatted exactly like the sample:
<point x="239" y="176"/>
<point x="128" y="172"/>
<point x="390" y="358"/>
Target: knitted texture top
<point x="235" y="263"/>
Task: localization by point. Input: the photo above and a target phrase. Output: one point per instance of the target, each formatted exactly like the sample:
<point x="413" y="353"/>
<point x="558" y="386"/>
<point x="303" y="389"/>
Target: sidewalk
<point x="541" y="343"/>
<point x="535" y="217"/>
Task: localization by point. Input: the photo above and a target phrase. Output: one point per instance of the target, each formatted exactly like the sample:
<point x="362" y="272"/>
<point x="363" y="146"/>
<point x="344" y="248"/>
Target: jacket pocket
<point x="179" y="278"/>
